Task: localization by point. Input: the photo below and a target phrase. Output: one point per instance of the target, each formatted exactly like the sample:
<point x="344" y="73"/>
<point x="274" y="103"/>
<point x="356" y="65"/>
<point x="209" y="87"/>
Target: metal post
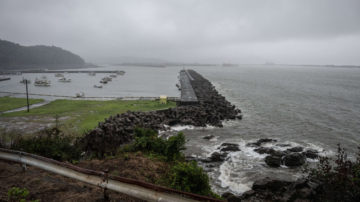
<point x="106" y="194"/>
<point x="27" y="95"/>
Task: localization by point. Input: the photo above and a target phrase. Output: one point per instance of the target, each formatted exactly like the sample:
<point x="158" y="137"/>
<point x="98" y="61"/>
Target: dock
<point x="4" y="79"/>
<point x="62" y="71"/>
<point x="188" y="96"/>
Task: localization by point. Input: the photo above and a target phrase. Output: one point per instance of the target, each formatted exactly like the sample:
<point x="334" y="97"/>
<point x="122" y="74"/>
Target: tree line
<point x="12" y="53"/>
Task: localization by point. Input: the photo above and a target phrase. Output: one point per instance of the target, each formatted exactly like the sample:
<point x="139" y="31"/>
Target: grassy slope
<point x="85" y="114"/>
<point x="9" y="103"/>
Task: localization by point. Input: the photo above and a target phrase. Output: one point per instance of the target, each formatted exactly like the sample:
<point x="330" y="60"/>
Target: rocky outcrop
<point x="275" y="189"/>
<point x="264" y="150"/>
<point x="311" y="153"/>
<point x="118" y="129"/>
<point x="296" y="149"/>
<point x="208" y="137"/>
<point x="259" y="142"/>
<point x="294" y="159"/>
<point x="278" y="158"/>
<point x="229" y="147"/>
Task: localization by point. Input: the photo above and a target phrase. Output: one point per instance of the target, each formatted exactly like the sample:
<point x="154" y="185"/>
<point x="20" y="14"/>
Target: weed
<point x="19" y="194"/>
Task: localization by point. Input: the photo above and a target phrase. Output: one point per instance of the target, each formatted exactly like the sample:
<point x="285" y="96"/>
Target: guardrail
<point x="135" y="188"/>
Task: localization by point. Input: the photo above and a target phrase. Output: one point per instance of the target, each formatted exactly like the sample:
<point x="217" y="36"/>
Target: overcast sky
<point x="206" y="31"/>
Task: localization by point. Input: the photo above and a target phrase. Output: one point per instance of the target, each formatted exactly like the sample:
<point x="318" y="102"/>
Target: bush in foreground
<point x="48" y="142"/>
<point x="147" y="140"/>
<point x="340" y="177"/>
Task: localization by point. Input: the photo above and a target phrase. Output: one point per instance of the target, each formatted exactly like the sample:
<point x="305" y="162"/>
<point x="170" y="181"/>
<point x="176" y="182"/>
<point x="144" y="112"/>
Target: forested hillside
<point x="13" y="54"/>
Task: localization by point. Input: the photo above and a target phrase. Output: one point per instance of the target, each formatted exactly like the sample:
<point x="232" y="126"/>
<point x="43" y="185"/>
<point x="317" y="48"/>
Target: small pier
<point x="4" y="79"/>
<point x="62" y="71"/>
<point x="188" y="96"/>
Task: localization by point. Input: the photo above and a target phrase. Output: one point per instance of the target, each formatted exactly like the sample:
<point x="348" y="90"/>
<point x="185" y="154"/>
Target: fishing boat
<point x="91" y="74"/>
<point x="120" y="72"/>
<point x="42" y="82"/>
<point x="113" y="75"/>
<point x="64" y="79"/>
<point x="96" y="86"/>
<point x="106" y="78"/>
<point x="59" y="75"/>
<point x="81" y="94"/>
<point x="25" y="80"/>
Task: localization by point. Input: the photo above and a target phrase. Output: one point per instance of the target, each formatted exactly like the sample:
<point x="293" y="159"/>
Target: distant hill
<point x="15" y="54"/>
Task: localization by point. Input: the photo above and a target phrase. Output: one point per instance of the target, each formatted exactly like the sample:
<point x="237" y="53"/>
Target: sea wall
<point x="118" y="129"/>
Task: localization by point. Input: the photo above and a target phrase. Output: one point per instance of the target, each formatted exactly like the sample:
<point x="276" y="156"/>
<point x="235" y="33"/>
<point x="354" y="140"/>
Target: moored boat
<point x="59" y="75"/>
<point x="106" y="78"/>
<point x="103" y="81"/>
<point x="64" y="79"/>
<point x="96" y="86"/>
<point x="91" y="74"/>
<point x="81" y="94"/>
<point x="120" y="72"/>
<point x="113" y="75"/>
<point x="42" y="82"/>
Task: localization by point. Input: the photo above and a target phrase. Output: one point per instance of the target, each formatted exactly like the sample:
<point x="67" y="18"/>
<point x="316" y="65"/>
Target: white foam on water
<point x="230" y="122"/>
<point x="180" y="127"/>
<point x="214" y="139"/>
<point x="228" y="180"/>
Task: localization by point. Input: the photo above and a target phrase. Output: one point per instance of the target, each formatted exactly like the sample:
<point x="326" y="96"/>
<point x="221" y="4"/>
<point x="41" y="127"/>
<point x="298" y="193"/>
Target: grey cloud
<point x="250" y="31"/>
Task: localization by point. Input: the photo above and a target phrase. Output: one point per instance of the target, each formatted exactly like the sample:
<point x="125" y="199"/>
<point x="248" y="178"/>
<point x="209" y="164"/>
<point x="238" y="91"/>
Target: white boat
<point x="113" y="75"/>
<point x="64" y="79"/>
<point x="95" y="86"/>
<point x="42" y="82"/>
<point x="106" y="78"/>
<point x="18" y="73"/>
<point x="120" y="72"/>
<point x="43" y="77"/>
<point x="103" y="81"/>
<point x="25" y="80"/>
<point x="81" y="94"/>
<point x="59" y="75"/>
<point x="92" y="74"/>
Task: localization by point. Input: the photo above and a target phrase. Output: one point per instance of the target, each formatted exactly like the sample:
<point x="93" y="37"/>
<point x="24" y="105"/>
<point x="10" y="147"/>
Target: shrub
<point x="148" y="140"/>
<point x="189" y="177"/>
<point x="340" y="178"/>
<point x="48" y="142"/>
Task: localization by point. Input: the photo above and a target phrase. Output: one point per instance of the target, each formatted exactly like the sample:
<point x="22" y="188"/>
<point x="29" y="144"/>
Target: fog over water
<point x="206" y="31"/>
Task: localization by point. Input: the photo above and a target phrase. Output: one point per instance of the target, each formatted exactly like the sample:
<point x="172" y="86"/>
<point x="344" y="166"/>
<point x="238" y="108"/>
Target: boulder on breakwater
<point x="275" y="189"/>
<point x="116" y="130"/>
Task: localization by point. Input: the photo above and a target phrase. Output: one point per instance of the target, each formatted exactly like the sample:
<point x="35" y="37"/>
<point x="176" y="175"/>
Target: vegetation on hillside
<point x="9" y="103"/>
<point x="12" y="53"/>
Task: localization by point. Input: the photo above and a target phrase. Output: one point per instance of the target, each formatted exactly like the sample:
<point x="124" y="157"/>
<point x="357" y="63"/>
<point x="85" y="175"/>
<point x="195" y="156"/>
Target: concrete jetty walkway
<point x="188" y="96"/>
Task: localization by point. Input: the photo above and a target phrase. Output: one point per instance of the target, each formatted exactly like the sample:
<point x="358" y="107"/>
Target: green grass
<point x="85" y="114"/>
<point x="9" y="103"/>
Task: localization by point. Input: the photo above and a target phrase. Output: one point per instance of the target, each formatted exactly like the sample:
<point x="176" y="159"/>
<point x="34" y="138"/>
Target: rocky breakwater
<point x="118" y="129"/>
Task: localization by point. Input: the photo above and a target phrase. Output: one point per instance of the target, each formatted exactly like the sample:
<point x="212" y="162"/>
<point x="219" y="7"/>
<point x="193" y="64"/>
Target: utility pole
<point x="27" y="94"/>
